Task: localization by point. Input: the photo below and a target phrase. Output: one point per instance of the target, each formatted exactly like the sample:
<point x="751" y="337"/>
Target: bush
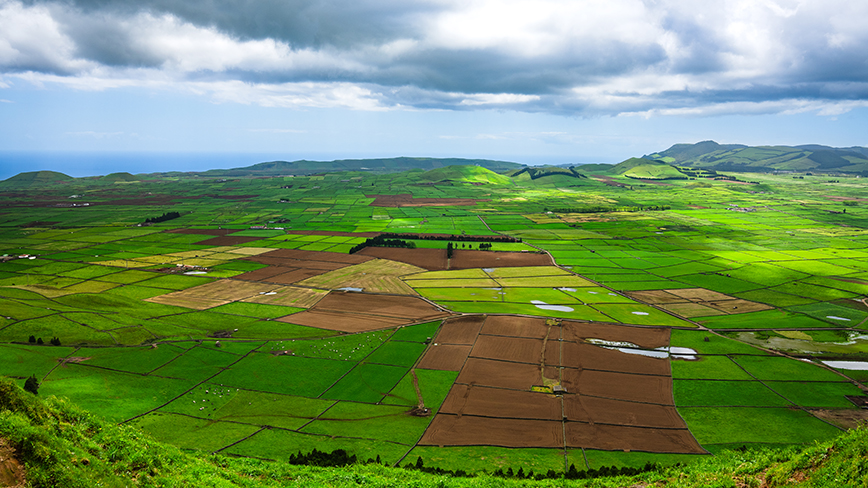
<point x="32" y="385"/>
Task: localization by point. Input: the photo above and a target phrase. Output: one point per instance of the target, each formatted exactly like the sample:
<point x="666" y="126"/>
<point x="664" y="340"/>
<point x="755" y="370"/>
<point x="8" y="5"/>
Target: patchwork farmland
<point x="543" y="323"/>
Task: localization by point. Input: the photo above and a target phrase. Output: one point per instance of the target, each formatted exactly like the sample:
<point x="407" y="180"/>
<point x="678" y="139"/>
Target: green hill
<point x="50" y="442"/>
<point x="36" y="178"/>
<point x="647" y="169"/>
<point x="123" y="176"/>
<point x="387" y="165"/>
<point x="463" y="174"/>
<point x="736" y="157"/>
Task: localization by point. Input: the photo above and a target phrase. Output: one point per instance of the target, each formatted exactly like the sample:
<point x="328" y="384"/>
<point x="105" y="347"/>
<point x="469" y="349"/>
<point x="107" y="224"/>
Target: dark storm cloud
<point x="301" y="23"/>
<point x="569" y="57"/>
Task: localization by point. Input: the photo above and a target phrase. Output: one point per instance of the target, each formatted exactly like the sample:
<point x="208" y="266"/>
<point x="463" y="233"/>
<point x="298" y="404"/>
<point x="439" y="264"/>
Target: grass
<point x="784" y="369"/>
<point x="722" y="425"/>
<point x="268" y="373"/>
<point x="377" y="422"/>
<point x="193" y="433"/>
<point x="708" y="368"/>
<point x="366" y="383"/>
<point x="813" y="394"/>
<point x="698" y="393"/>
<point x="115" y="396"/>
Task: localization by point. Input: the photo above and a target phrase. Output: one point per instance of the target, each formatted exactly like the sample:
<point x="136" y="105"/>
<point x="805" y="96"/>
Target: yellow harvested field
<point x="214" y="293"/>
<point x="376" y="276"/>
<point x="290" y="296"/>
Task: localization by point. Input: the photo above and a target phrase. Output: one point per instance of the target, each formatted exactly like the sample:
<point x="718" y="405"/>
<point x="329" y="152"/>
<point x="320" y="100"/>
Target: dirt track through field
<point x="613" y="400"/>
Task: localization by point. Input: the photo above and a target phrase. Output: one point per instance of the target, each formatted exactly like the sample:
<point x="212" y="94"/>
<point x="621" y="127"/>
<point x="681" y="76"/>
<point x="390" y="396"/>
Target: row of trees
<point x="162" y="218"/>
<point x="382" y="241"/>
<point x="38" y="340"/>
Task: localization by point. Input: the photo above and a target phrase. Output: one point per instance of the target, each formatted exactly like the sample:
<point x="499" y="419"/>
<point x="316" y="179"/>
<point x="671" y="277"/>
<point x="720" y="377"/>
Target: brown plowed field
<point x="605" y="411"/>
<point x="614" y="400"/>
<point x="407" y="200"/>
<point x="449" y="357"/>
<point x="737" y="306"/>
<point x="452" y="430"/>
<point x="647" y="337"/>
<point x="463" y="259"/>
<point x="227" y="241"/>
<point x="619" y="386"/>
<point x="344" y="322"/>
<point x="619" y="437"/>
<point x="589" y="356"/>
<point x="296" y="255"/>
<point x="288" y="266"/>
<point x="496" y="402"/>
<point x="204" y="232"/>
<point x="508" y="349"/>
<point x="430" y="259"/>
<point x="435" y="259"/>
<point x="387" y="305"/>
<point x="359" y="312"/>
<point x="517" y="376"/>
<point x="460" y="330"/>
<point x="294" y="275"/>
<point x="690" y="310"/>
<point x="700" y="295"/>
<point x="262" y="274"/>
<point x="511" y="325"/>
<point x="655" y="296"/>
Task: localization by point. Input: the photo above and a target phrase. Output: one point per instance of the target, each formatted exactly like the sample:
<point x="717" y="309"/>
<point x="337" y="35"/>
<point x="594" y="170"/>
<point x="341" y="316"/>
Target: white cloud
<point x="564" y="56"/>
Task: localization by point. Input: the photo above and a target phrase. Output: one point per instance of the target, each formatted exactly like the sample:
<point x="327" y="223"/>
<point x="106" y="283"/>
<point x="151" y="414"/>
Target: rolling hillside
<point x="387" y="165"/>
<point x="35" y="178"/>
<point x="736" y="157"/>
<point x="463" y="174"/>
<point x="649" y="169"/>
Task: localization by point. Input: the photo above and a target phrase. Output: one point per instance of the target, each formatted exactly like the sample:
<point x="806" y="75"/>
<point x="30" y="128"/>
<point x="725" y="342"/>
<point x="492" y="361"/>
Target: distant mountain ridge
<point x="379" y="165"/>
<point x="738" y="157"/>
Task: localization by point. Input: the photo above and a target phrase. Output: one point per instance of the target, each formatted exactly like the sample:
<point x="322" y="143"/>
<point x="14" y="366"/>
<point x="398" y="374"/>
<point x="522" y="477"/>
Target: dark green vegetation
<point x="763" y="281"/>
<point x="388" y="165"/>
<point x="61" y="445"/>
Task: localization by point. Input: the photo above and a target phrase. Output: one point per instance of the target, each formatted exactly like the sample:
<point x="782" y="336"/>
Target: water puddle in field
<point x="495" y="289"/>
<point x="489" y="270"/>
<point x="850" y="365"/>
<point x="195" y="273"/>
<point x="565" y="289"/>
<point x="555" y="308"/>
<point x="639" y="313"/>
<point x="833" y="317"/>
<point x="685" y="353"/>
<point x="855" y="343"/>
<point x="350" y="288"/>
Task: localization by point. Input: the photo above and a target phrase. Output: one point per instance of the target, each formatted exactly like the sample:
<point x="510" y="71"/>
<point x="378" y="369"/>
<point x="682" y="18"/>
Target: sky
<point x="94" y="86"/>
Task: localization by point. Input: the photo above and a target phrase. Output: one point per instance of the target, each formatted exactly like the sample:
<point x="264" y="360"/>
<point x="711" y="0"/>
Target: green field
<point x="766" y="295"/>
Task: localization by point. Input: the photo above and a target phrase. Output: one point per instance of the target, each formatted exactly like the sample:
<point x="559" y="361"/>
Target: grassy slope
<point x="62" y="445"/>
<point x="464" y="174"/>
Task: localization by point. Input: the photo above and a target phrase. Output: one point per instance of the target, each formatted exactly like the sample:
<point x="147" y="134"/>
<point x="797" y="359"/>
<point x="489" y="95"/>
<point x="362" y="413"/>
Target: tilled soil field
<point x="614" y="400"/>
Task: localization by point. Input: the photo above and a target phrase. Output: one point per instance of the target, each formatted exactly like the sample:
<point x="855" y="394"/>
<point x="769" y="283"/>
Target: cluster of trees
<point x="162" y="218"/>
<point x="336" y="458"/>
<point x="38" y="340"/>
<point x="382" y="241"/>
<point x="432" y="237"/>
<point x="572" y="473"/>
<point x="600" y="209"/>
